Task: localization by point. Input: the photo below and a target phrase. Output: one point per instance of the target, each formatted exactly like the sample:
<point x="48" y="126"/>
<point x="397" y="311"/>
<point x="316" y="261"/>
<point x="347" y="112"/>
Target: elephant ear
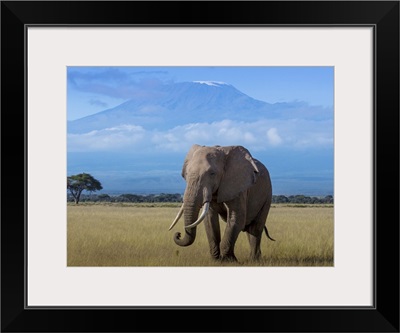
<point x="240" y="173"/>
<point x="188" y="157"/>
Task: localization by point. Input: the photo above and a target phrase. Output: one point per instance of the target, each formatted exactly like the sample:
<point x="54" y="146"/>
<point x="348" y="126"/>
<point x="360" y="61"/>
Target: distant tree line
<point x="302" y="199"/>
<point x="163" y="197"/>
<point x="176" y="197"/>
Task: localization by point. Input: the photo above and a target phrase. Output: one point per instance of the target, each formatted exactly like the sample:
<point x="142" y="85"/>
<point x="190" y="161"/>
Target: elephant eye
<point x="212" y="173"/>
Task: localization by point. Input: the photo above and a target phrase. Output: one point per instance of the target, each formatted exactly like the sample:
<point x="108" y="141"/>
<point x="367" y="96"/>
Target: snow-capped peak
<point x="212" y="83"/>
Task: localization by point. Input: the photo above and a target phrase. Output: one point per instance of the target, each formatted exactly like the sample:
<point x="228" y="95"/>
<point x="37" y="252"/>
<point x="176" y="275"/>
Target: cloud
<point x="108" y="139"/>
<point x="97" y="102"/>
<point x="114" y="83"/>
<point x="273" y="137"/>
<point x="225" y="132"/>
<point x="77" y="75"/>
<point x="257" y="136"/>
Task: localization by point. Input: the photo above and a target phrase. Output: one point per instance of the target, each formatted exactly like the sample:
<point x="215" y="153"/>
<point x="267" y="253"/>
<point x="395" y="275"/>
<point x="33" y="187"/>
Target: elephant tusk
<point x="178" y="216"/>
<point x="202" y="216"/>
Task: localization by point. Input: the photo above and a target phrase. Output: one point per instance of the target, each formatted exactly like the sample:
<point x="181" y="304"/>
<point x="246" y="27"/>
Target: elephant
<point x="227" y="182"/>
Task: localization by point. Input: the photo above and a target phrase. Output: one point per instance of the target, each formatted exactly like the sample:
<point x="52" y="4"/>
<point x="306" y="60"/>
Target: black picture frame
<point x="383" y="316"/>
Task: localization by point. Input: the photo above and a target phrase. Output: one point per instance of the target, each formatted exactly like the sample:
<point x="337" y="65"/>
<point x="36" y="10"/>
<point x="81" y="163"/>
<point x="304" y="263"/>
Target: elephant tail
<point x="266" y="232"/>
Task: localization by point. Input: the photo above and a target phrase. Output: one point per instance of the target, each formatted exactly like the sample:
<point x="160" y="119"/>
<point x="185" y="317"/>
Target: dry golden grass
<point x="137" y="235"/>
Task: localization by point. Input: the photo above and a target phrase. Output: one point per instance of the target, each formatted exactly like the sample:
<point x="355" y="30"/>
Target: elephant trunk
<point x="190" y="213"/>
<point x="192" y="205"/>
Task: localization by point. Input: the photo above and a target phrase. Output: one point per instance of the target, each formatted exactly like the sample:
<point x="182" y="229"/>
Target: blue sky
<point x="94" y="89"/>
<point x="135" y="158"/>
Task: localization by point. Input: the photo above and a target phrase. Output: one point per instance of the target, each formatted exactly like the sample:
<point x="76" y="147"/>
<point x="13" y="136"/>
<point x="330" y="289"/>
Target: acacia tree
<point x="82" y="182"/>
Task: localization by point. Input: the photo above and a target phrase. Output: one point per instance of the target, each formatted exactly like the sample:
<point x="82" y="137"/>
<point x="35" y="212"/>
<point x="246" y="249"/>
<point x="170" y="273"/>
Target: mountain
<point x="176" y="104"/>
<point x="188" y="102"/>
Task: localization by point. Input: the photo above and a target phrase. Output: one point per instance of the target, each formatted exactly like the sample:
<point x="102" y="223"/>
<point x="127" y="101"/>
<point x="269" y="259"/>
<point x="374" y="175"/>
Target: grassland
<point x="137" y="235"/>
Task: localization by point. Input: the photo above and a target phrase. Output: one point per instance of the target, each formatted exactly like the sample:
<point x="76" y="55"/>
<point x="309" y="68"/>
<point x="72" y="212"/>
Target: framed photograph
<point x="127" y="128"/>
<point x="133" y="150"/>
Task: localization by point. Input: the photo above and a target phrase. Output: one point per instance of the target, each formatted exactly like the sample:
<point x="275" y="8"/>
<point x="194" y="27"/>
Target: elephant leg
<point x="213" y="232"/>
<point x="255" y="231"/>
<point x="255" y="248"/>
<point x="236" y="220"/>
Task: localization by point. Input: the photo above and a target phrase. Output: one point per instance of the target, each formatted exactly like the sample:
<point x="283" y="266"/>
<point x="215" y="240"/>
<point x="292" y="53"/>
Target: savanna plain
<point x="122" y="234"/>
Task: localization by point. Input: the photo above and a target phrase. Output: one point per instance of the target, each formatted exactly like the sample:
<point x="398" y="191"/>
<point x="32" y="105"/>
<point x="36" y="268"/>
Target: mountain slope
<point x="176" y="104"/>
